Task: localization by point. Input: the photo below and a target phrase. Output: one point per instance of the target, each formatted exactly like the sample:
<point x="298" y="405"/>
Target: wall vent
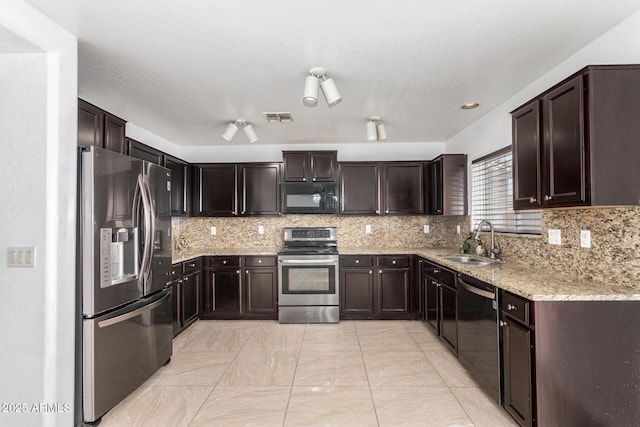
<point x="278" y="117"/>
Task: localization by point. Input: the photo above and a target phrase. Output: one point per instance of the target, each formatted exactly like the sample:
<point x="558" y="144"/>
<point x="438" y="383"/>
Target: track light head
<point x="330" y="92"/>
<point x="311" y="86"/>
<point x="232" y="128"/>
<point x="375" y="129"/>
<point x="317" y="80"/>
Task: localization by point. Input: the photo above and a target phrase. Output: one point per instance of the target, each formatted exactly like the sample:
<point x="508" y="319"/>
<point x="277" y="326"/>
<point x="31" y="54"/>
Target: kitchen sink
<point x="467" y="260"/>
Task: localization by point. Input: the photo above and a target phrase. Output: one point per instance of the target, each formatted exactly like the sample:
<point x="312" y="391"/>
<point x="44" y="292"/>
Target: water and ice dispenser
<point x="118" y="255"/>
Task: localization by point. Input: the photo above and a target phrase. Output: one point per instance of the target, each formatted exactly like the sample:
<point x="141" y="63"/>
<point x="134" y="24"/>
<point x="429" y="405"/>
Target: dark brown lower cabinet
<point x="440" y="303"/>
<point x="185" y="282"/>
<point x="375" y="287"/>
<point x="517" y="347"/>
<point x="240" y="288"/>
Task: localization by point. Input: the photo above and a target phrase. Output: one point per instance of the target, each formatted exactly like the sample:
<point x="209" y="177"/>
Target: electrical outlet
<point x="261" y="229"/>
<point x="425" y="228"/>
<point x="555" y="237"/>
<point x="585" y="238"/>
<point x="214" y="231"/>
<point x="367" y="228"/>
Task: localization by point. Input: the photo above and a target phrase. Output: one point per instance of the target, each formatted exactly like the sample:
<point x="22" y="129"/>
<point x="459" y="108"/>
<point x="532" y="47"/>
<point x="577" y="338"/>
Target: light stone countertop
<point x="535" y="284"/>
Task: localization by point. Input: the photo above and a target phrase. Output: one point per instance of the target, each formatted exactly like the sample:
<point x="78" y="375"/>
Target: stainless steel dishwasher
<point x="479" y="333"/>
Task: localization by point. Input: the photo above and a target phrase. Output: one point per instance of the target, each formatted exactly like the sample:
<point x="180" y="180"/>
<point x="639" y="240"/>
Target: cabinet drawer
<point x="176" y="271"/>
<point x="260" y="261"/>
<point x="224" y="261"/>
<point x="356" y="261"/>
<point x="439" y="273"/>
<point x="393" y="261"/>
<point x="517" y="307"/>
<point x="191" y="266"/>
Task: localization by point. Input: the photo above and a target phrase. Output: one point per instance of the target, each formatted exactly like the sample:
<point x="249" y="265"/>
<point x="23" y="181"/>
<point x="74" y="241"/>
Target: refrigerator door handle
<point x="146" y="254"/>
<point x="132" y="314"/>
<point x="152" y="233"/>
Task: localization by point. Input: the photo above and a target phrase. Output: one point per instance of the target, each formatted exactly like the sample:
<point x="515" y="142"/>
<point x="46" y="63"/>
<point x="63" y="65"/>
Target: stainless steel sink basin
<point x="467" y="260"/>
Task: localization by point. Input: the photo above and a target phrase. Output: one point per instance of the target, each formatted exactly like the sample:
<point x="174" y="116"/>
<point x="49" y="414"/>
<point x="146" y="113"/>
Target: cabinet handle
<point x="370" y="271"/>
<point x="377" y="211"/>
<point x="304" y="179"/>
<point x="387" y="211"/>
<point x="247" y="272"/>
<point x="237" y="271"/>
<point x="242" y="213"/>
<point x="179" y="280"/>
<point x="532" y="200"/>
<point x="224" y="262"/>
<point x="512" y="307"/>
<point x="186" y="279"/>
<point x="259" y="261"/>
<point x="357" y="261"/>
<point x="436" y="271"/>
<point x="503" y="323"/>
<point x="393" y="262"/>
<point x="314" y="180"/>
<point x="547" y="198"/>
<point x="380" y="271"/>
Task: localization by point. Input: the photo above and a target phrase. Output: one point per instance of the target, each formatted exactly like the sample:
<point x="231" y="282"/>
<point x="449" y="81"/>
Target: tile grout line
<point x="286" y="409"/>
<point x="366" y="372"/>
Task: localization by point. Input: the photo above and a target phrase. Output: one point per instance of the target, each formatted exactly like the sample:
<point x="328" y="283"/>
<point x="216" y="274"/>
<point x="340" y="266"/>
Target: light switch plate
<point x="458" y="229"/>
<point x="21" y="257"/>
<point x="555" y="237"/>
<point x="585" y="238"/>
<point x="425" y="228"/>
<point x="367" y="228"/>
<point x="214" y="231"/>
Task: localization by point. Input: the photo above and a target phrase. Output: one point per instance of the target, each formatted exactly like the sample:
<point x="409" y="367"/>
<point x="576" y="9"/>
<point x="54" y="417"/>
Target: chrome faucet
<point x="494" y="250"/>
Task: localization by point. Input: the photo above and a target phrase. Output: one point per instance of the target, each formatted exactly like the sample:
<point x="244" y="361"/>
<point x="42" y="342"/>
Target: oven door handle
<point x="308" y="262"/>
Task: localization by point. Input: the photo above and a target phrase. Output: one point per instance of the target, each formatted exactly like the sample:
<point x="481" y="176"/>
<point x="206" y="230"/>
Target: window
<point x="492" y="196"/>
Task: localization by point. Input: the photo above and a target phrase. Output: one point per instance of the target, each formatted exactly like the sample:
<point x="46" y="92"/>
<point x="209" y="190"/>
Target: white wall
<point x="38" y="131"/>
<point x="620" y="45"/>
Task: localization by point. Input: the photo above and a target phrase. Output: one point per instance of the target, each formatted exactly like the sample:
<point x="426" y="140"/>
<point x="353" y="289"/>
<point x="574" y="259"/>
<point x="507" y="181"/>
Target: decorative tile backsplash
<point x="614" y="255"/>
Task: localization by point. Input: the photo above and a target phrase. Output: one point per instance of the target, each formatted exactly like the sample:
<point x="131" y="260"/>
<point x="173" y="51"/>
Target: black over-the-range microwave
<point x="310" y="198"/>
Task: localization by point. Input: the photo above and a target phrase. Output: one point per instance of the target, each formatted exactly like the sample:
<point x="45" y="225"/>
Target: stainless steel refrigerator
<point x="124" y="304"/>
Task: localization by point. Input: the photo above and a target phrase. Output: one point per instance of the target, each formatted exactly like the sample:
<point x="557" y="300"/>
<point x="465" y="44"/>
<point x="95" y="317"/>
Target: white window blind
<point x="492" y="196"/>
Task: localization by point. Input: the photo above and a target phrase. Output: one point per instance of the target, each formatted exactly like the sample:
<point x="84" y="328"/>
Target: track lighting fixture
<point x="375" y="129"/>
<point x="232" y="128"/>
<point x="312" y="84"/>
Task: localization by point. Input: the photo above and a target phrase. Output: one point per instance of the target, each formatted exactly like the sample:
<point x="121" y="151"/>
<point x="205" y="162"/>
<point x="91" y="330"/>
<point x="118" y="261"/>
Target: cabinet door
<point x="221" y="298"/>
<point x="90" y="124"/>
<point x="143" y="152"/>
<point x="177" y="306"/>
<point x="565" y="164"/>
<point x="260" y="189"/>
<point x="114" y="129"/>
<point x="295" y="166"/>
<point x="437" y="207"/>
<point x="449" y="317"/>
<point x="357" y="293"/>
<point x="359" y="189"/>
<point x="215" y="190"/>
<point x="403" y="191"/>
<point x="180" y="185"/>
<point x="393" y="292"/>
<point x="431" y="303"/>
<point x="190" y="298"/>
<point x="323" y="166"/>
<point x="261" y="292"/>
<point x="526" y="157"/>
<point x="517" y="345"/>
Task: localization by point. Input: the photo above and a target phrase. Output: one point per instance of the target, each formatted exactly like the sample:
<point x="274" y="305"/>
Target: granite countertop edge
<point x="521" y="279"/>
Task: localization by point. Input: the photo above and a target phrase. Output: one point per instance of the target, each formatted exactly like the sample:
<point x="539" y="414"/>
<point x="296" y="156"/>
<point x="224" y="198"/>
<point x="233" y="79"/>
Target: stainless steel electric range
<point x="308" y="287"/>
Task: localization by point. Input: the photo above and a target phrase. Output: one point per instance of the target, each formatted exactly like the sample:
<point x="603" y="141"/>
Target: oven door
<point x="308" y="280"/>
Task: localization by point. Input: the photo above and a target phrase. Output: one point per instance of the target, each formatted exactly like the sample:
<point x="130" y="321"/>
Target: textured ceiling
<point x="183" y="69"/>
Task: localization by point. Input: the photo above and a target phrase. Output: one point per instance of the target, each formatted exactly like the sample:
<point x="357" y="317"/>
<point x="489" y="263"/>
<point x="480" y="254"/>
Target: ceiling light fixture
<point x="470" y="106"/>
<point x="312" y="85"/>
<point x="232" y="128"/>
<point x="375" y="129"/>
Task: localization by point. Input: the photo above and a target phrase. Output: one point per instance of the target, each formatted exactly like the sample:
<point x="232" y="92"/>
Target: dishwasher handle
<point x="480" y="292"/>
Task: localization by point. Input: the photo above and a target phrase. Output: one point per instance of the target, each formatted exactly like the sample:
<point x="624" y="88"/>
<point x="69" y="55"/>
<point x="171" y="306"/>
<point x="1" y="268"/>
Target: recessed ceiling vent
<point x="278" y="117"/>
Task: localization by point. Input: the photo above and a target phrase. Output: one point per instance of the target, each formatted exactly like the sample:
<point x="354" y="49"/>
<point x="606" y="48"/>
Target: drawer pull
<point x="532" y="200"/>
<point x="192" y="265"/>
<point x="393" y="262"/>
<point x="512" y="307"/>
<point x="503" y="323"/>
<point x="357" y="261"/>
<point x="224" y="262"/>
<point x="259" y="261"/>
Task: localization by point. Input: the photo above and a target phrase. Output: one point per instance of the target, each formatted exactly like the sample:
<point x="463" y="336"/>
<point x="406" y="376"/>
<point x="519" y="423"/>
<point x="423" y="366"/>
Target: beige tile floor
<point x="261" y="373"/>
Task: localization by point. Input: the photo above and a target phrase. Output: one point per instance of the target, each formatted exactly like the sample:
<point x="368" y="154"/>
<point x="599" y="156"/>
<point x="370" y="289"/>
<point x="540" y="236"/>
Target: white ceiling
<point x="183" y="69"/>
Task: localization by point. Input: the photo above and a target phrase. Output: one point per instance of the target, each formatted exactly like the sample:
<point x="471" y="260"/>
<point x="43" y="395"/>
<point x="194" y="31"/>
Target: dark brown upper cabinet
<point x="403" y="188"/>
<point x="359" y="188"/>
<point x="181" y="185"/>
<point x="259" y="189"/>
<point x="448" y="185"/>
<point x="214" y="189"/>
<point x="576" y="144"/>
<point x="99" y="128"/>
<point x="144" y="152"/>
<point x="310" y="166"/>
